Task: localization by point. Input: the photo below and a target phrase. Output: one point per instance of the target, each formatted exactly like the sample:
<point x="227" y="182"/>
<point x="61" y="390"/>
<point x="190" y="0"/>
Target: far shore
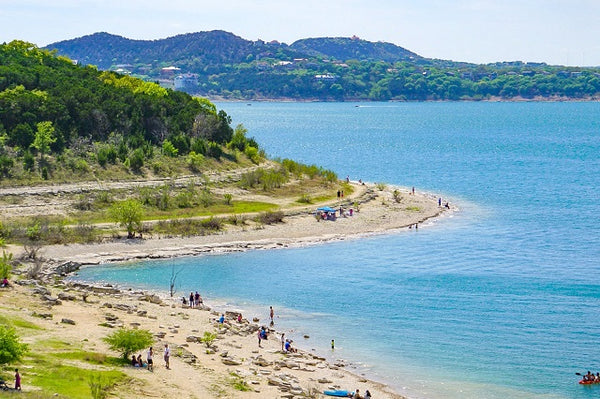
<point x="269" y="371"/>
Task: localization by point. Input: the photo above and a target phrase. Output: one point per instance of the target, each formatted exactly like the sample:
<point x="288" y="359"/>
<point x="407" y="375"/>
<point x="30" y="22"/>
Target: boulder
<point x="260" y="361"/>
<point x="68" y="321"/>
<point x="66" y="297"/>
<point x="230" y="361"/>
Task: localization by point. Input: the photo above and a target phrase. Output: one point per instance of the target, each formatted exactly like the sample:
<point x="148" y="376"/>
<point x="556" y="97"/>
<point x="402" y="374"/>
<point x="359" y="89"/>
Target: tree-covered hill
<point x="344" y="48"/>
<point x="222" y="65"/>
<point x="58" y="118"/>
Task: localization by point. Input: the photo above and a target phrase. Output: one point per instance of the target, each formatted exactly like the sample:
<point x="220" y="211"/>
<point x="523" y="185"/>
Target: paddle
<point x="578" y="374"/>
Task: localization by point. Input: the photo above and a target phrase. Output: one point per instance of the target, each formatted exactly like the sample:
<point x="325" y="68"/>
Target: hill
<point x="219" y="64"/>
<point x="63" y="121"/>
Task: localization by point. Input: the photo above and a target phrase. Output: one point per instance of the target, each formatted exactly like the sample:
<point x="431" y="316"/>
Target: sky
<point x="558" y="32"/>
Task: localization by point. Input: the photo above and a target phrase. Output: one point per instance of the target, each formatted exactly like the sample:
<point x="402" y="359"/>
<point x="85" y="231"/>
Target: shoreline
<point x="298" y="229"/>
<point x="381" y="214"/>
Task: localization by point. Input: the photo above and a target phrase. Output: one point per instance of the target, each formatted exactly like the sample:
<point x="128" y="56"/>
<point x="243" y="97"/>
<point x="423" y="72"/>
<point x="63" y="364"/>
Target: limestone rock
<point x="230" y="361"/>
<point x="66" y="297"/>
<point x="68" y="321"/>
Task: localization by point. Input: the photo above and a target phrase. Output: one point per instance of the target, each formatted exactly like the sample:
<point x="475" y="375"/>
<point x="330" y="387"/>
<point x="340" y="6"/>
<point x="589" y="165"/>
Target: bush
<point x="304" y="199"/>
<point x="28" y="162"/>
<point x="195" y="161"/>
<point x="11" y="348"/>
<point x="214" y="150"/>
<point x="5" y="264"/>
<point x="169" y="149"/>
<point x="208" y="338"/>
<point x="136" y="160"/>
<point x="199" y="146"/>
<point x="128" y="341"/>
<point x="270" y="217"/>
<point x="252" y="154"/>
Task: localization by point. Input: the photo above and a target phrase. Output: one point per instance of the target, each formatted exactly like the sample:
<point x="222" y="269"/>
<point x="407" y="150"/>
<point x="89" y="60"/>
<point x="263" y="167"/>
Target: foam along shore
<point x="197" y="371"/>
<point x="375" y="211"/>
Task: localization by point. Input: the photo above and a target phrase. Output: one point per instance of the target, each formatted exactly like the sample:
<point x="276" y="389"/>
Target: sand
<point x="268" y="372"/>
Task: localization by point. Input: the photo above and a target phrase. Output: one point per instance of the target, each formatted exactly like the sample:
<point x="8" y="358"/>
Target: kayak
<point x="339" y="393"/>
<point x="585" y="382"/>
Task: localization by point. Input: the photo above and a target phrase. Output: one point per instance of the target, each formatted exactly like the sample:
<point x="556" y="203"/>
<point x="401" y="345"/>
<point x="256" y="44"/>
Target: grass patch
<point x="19" y="323"/>
<point x="71" y="382"/>
<point x="413" y="208"/>
<point x="92" y="358"/>
<point x="238" y="383"/>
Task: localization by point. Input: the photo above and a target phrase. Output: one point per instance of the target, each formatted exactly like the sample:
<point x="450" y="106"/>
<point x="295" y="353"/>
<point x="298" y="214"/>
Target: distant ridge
<point x="221" y="65"/>
<point x="218" y="47"/>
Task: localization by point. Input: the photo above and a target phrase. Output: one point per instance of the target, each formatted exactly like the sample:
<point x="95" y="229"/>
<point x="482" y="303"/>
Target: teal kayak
<point x="339" y="393"/>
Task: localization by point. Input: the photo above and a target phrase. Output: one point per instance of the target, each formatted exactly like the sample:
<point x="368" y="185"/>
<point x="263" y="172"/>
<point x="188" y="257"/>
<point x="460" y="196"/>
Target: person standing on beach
<point x="282" y="342"/>
<point x="191" y="299"/>
<point x="259" y="337"/>
<point x="17" y="380"/>
<point x="271" y="313"/>
<point x="167" y="356"/>
<point x="332" y="344"/>
<point x="149" y="359"/>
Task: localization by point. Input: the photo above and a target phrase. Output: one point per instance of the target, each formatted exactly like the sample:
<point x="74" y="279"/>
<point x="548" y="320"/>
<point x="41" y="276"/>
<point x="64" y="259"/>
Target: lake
<point x="499" y="300"/>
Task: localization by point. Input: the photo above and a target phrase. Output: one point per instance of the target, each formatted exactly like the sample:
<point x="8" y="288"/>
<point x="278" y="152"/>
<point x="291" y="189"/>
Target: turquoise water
<point x="499" y="300"/>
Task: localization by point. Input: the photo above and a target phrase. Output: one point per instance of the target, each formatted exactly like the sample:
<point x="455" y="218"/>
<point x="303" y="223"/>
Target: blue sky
<point x="564" y="32"/>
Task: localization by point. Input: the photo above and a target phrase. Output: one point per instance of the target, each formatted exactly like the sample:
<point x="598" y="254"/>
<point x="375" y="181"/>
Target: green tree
<point x="11" y="348"/>
<point x="128" y="214"/>
<point x="128" y="341"/>
<point x="44" y="137"/>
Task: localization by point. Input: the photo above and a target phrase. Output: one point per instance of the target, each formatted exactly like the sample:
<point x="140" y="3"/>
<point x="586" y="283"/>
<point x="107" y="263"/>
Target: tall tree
<point x="44" y="137"/>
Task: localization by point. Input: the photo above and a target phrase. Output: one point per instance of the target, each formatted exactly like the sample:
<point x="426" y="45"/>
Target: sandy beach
<point x="197" y="371"/>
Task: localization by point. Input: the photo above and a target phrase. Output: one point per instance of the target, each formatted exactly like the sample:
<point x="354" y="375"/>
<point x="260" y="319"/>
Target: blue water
<point x="501" y="300"/>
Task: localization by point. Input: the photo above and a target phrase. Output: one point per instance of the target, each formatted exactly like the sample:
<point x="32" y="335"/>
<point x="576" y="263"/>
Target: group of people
<point x="356" y="395"/>
<point x="139" y="362"/>
<point x="194" y="300"/>
<point x="589" y="377"/>
<point x="262" y="334"/>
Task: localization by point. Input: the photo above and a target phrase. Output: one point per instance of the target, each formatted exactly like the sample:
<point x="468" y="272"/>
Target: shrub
<point x="128" y="341"/>
<point x="195" y="161"/>
<point x="397" y="196"/>
<point x="199" y="146"/>
<point x="11" y="348"/>
<point x="28" y="162"/>
<point x="214" y="150"/>
<point x="381" y="186"/>
<point x="136" y="160"/>
<point x="212" y="223"/>
<point x="208" y="338"/>
<point x="270" y="217"/>
<point x="252" y="154"/>
<point x="5" y="264"/>
<point x="227" y="197"/>
<point x="304" y="199"/>
<point x="169" y="149"/>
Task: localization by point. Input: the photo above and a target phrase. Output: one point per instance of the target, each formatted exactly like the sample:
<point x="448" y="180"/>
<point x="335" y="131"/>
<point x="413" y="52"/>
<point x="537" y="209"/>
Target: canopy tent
<point x="326" y="209"/>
